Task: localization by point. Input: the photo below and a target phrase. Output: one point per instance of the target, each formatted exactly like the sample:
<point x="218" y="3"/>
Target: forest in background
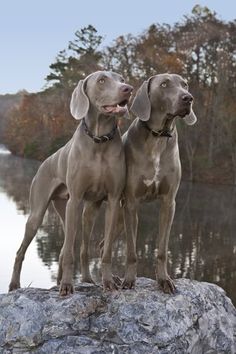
<point x="201" y="48"/>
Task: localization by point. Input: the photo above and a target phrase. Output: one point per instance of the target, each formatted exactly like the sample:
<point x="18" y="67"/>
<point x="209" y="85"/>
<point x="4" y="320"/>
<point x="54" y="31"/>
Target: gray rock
<point x="199" y="318"/>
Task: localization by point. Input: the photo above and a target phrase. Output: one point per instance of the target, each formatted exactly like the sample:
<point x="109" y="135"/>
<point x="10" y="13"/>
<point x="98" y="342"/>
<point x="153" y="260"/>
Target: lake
<point x="202" y="243"/>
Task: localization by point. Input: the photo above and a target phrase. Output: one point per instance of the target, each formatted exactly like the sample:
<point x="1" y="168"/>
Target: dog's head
<point x="164" y="94"/>
<point x="104" y="91"/>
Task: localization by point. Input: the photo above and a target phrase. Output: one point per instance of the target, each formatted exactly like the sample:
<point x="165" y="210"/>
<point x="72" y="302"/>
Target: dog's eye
<point x="164" y="84"/>
<point x="101" y="81"/>
<point x="122" y="80"/>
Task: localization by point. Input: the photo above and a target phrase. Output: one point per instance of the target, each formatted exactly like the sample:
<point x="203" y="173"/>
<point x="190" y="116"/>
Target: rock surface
<point x="199" y="318"/>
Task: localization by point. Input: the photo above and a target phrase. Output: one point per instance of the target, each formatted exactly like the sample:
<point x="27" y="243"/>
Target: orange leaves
<point x="36" y="122"/>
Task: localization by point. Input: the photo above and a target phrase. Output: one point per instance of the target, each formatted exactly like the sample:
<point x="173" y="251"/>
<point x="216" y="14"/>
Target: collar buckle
<point x="102" y="138"/>
<point x="97" y="139"/>
<point x="158" y="133"/>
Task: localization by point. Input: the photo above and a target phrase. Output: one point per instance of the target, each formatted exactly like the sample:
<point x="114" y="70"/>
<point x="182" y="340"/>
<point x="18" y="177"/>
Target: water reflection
<point x="202" y="242"/>
<point x="15" y="177"/>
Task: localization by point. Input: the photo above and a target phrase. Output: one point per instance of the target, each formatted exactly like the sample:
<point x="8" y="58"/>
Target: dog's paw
<point x="128" y="283"/>
<point x="66" y="289"/>
<point x="167" y="285"/>
<point x="117" y="280"/>
<point x="87" y="279"/>
<point x="13" y="286"/>
<point x="109" y="284"/>
<point x="130" y="276"/>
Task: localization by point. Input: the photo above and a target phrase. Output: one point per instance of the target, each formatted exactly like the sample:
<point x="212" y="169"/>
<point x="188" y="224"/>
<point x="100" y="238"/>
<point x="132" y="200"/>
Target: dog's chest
<point x="100" y="177"/>
<point x="94" y="175"/>
<point x="152" y="173"/>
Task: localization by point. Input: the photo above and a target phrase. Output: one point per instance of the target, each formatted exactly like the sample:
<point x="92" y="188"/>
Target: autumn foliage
<point x="40" y="124"/>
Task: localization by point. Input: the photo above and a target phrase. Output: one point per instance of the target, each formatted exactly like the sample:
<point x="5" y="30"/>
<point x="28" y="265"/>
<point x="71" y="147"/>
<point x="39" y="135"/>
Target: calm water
<point x="202" y="242"/>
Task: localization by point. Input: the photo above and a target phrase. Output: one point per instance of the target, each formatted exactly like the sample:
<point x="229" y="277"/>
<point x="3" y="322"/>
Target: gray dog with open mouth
<point x="153" y="163"/>
<point x="90" y="168"/>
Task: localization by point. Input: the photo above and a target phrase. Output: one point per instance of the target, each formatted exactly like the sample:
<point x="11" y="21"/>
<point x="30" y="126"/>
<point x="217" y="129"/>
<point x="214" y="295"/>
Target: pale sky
<point x="32" y="32"/>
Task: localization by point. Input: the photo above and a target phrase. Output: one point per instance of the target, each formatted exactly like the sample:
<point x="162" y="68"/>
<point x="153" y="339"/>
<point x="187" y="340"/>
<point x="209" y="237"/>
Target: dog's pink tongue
<point x="115" y="109"/>
<point x="110" y="109"/>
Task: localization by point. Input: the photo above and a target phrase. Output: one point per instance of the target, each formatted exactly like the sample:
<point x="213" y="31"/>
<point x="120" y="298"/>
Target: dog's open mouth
<point x="119" y="108"/>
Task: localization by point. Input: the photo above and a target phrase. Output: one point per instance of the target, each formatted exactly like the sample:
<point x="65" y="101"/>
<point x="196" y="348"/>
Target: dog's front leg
<point x="167" y="211"/>
<point x="111" y="219"/>
<point x="131" y="229"/>
<point x="71" y="225"/>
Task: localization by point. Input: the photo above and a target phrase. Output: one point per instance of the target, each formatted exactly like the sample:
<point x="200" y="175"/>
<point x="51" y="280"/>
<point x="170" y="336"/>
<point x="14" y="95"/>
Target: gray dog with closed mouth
<point x="153" y="163"/>
<point x="90" y="168"/>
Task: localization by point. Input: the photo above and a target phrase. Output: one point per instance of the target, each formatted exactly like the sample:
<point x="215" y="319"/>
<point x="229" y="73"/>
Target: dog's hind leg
<point x="60" y="207"/>
<point x="40" y="196"/>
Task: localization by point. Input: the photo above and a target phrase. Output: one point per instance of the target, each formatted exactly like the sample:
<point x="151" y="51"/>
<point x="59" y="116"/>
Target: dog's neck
<point x="161" y="121"/>
<point x="99" y="123"/>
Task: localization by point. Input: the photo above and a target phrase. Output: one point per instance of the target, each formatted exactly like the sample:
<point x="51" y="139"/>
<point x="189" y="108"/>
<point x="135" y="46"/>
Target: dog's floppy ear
<point x="79" y="103"/>
<point x="141" y="105"/>
<point x="191" y="118"/>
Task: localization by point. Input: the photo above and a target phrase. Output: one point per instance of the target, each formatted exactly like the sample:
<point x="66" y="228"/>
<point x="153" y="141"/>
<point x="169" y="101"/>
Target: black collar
<point x="166" y="132"/>
<point x="102" y="138"/>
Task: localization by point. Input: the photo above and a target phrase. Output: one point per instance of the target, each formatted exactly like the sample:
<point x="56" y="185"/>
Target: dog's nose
<point x="187" y="98"/>
<point x="126" y="88"/>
